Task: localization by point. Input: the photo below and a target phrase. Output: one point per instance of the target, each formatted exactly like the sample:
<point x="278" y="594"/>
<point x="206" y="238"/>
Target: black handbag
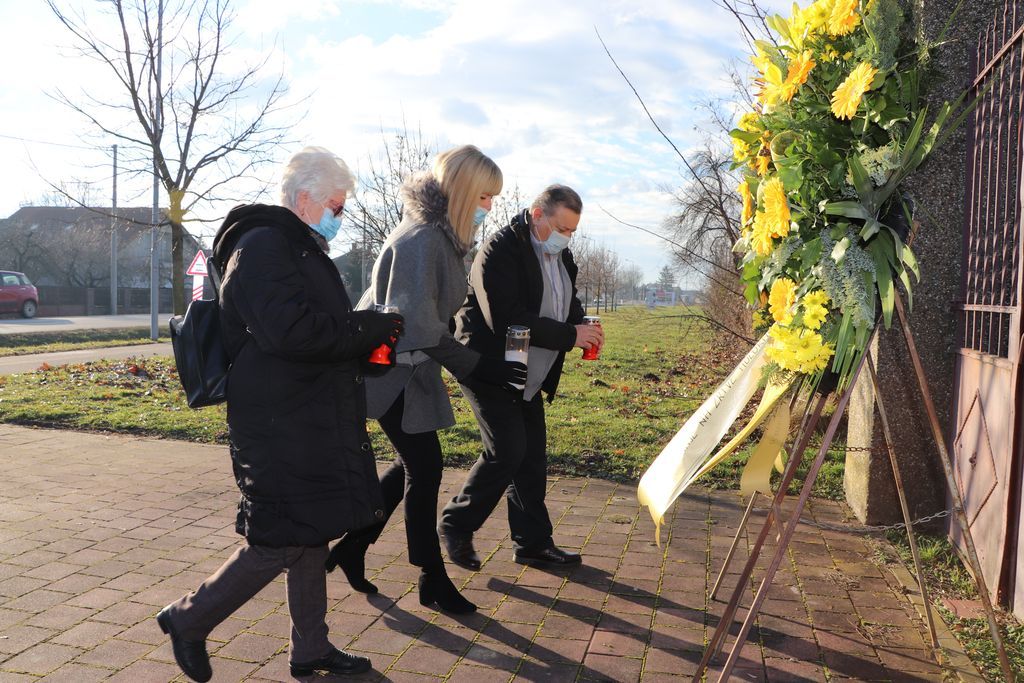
<point x="199" y="351"/>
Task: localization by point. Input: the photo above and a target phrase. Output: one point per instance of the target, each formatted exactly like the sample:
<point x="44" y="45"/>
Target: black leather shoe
<point x="336" y="662"/>
<point x="190" y="655"/>
<point x="552" y="555"/>
<point x="460" y="549"/>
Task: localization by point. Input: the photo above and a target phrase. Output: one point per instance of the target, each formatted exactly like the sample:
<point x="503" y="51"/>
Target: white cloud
<point x="525" y="80"/>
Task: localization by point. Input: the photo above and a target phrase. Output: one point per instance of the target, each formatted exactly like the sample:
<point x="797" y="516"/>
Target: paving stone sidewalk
<point x="98" y="532"/>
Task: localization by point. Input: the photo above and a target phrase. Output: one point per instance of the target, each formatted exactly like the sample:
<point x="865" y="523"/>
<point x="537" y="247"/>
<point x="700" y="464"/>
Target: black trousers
<point x="246" y="573"/>
<point x="514" y="463"/>
<point x="415" y="475"/>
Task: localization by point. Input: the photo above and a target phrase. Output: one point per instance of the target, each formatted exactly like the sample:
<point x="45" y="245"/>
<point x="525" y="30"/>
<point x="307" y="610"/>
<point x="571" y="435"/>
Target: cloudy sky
<point x="525" y="80"/>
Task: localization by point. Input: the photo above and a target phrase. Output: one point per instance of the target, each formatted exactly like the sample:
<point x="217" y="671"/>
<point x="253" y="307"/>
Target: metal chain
<point x="875" y="529"/>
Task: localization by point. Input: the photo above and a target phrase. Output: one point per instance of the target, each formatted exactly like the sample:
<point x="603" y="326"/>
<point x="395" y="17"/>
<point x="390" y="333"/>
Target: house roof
<point x="139" y="217"/>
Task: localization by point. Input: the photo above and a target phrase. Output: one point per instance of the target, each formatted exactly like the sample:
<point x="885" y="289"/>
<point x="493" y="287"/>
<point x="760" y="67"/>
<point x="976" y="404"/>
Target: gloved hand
<point x="501" y="373"/>
<point x="379" y="328"/>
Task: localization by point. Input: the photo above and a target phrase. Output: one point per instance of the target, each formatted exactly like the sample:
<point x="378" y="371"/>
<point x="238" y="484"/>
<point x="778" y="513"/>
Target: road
<point x="12" y="365"/>
<point x="87" y="322"/>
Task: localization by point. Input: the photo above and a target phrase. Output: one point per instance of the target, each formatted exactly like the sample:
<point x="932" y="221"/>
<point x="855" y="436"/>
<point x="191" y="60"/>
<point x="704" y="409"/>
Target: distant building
<point x="65" y="251"/>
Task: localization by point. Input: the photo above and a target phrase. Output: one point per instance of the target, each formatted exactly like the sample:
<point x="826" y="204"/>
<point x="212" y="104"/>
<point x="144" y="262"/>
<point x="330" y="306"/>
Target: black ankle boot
<point x="437" y="588"/>
<point x="350" y="554"/>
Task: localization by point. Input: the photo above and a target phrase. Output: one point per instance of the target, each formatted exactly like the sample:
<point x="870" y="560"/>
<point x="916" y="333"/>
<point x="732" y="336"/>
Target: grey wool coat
<point x="420" y="269"/>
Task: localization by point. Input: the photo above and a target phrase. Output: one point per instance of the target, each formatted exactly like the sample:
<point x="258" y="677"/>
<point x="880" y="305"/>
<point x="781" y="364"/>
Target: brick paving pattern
<point x="98" y="532"/>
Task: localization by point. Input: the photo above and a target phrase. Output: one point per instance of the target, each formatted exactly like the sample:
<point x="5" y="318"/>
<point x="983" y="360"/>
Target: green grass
<point x="946" y="577"/>
<point x="72" y="340"/>
<point x="610" y="419"/>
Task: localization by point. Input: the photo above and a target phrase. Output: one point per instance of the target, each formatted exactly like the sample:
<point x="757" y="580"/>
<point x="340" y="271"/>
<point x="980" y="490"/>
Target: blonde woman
<point x="421" y="270"/>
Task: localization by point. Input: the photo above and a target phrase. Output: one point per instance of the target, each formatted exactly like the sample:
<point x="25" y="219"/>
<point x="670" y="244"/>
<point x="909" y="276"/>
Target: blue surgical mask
<point x="328" y="226"/>
<point x="555" y="242"/>
<point x="479" y="215"/>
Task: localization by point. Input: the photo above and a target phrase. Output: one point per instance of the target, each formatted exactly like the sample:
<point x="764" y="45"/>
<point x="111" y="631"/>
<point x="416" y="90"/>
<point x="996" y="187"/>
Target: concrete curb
<point x="954" y="659"/>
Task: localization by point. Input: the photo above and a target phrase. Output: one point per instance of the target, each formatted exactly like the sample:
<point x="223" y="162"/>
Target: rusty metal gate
<point x="986" y="462"/>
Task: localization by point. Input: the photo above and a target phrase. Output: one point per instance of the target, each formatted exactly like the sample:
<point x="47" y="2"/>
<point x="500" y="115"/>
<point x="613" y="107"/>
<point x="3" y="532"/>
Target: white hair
<point x="319" y="172"/>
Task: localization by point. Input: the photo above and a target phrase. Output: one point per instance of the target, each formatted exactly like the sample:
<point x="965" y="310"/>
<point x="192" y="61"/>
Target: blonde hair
<point x="464" y="173"/>
<point x="319" y="172"/>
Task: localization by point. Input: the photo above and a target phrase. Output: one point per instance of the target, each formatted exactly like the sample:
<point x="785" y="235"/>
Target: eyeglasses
<point x="336" y="212"/>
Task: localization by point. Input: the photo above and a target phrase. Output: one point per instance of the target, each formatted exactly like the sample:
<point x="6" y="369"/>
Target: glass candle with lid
<point x="382" y="354"/>
<point x="517" y="346"/>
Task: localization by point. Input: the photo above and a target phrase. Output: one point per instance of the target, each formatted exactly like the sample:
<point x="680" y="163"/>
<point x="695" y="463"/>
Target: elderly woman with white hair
<point x="296" y="410"/>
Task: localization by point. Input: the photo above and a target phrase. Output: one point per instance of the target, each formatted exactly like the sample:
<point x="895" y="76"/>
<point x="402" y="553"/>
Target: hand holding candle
<point x="590" y="337"/>
<point x="382" y="355"/>
<point x="517" y="346"/>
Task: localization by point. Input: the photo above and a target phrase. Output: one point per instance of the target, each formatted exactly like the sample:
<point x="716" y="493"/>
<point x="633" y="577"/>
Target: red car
<point x="17" y="294"/>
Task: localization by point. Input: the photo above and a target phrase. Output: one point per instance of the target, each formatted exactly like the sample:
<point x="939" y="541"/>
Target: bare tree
<point x="82" y="257"/>
<point x="68" y="193"/>
<point x="706" y="220"/>
<point x="377" y="209"/>
<point x="632" y="280"/>
<point x="181" y="114"/>
<point x="506" y="206"/>
<point x="22" y="245"/>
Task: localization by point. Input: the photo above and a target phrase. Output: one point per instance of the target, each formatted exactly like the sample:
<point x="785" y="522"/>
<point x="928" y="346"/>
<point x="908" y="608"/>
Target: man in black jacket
<point x="296" y="415"/>
<point x="524" y="275"/>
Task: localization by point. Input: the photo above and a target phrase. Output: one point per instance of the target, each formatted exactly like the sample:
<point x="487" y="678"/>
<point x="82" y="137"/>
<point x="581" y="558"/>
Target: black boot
<point x="437" y="588"/>
<point x="190" y="655"/>
<point x="350" y="554"/>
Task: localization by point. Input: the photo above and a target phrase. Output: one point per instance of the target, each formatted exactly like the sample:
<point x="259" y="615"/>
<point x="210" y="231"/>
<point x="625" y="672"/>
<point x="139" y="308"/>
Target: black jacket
<point x="506" y="288"/>
<point x="296" y="402"/>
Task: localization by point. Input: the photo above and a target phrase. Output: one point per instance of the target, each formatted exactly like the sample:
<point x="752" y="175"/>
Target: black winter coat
<point x="506" y="288"/>
<point x="296" y="402"/>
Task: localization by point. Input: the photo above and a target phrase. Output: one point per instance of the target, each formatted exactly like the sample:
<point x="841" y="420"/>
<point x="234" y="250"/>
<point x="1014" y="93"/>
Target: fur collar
<point x="424" y="202"/>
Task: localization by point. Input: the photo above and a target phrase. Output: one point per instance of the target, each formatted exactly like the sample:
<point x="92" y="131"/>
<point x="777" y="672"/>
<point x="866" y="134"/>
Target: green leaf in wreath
<point x="791" y="172"/>
<point x="810" y="254"/>
<point x="910" y="261"/>
<point x="880" y="253"/>
<point x="750" y="137"/>
<point x="850" y="209"/>
<point x="750" y="293"/>
<point x="905" y="279"/>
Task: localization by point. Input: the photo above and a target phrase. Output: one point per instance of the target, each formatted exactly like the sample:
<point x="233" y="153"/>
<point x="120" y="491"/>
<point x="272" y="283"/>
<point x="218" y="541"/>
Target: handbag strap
<point x="211" y="270"/>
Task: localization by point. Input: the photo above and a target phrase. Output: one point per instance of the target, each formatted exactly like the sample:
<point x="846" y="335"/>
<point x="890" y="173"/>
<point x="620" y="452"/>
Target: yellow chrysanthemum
<point x="798" y="351"/>
<point x="816" y="298"/>
<point x="800" y="68"/>
<point x="772" y="86"/>
<point x="761" y="165"/>
<point x="748" y="204"/>
<point x="776" y="207"/>
<point x="760" y="60"/>
<point x="740" y="149"/>
<point x="761" y="236"/>
<point x="815" y="311"/>
<point x="748" y="122"/>
<point x="758" y="319"/>
<point x="815" y="17"/>
<point x="844" y="17"/>
<point x="847" y="96"/>
<point x="781" y="300"/>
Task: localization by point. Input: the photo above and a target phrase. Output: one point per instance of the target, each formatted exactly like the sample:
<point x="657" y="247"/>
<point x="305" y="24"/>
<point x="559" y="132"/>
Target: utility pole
<point x="154" y="263"/>
<point x="113" y="241"/>
<point x="362" y="256"/>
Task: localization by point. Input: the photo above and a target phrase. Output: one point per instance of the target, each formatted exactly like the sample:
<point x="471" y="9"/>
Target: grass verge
<point x="72" y="340"/>
<point x="610" y="419"/>
<point x="946" y="577"/>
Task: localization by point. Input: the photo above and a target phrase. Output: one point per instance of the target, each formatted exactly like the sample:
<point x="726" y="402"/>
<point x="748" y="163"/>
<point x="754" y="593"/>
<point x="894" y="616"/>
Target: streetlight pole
<point x="113" y="241"/>
<point x="154" y="263"/>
